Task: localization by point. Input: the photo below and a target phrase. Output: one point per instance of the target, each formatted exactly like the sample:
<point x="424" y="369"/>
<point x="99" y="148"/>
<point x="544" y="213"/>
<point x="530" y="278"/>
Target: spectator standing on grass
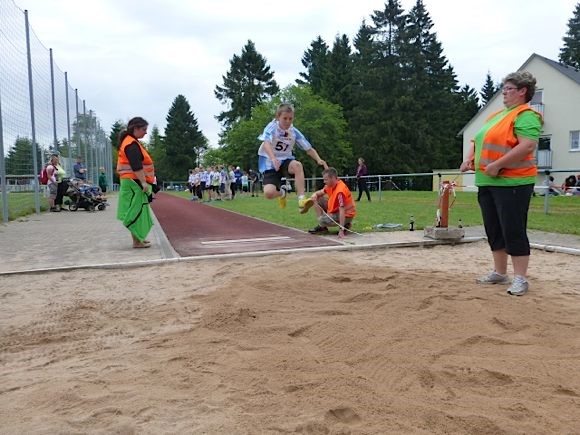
<point x="204" y="180"/>
<point x="191" y="184"/>
<point x="361" y="172"/>
<point x="197" y="190"/>
<point x="232" y="174"/>
<point x="238" y="178"/>
<point x="253" y="180"/>
<point x="505" y="173"/>
<point x="215" y="182"/>
<point x="80" y="169"/>
<point x="245" y="183"/>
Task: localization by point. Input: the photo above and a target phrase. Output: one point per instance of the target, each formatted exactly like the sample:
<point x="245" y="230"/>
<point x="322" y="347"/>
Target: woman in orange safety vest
<point x="137" y="175"/>
<point x="503" y="157"/>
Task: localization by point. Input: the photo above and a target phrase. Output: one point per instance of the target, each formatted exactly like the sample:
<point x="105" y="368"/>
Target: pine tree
<point x="428" y="120"/>
<point x="315" y="61"/>
<point x="372" y="122"/>
<point x="488" y="90"/>
<point x="570" y="52"/>
<point x="183" y="141"/>
<point x="338" y="75"/>
<point x="388" y="26"/>
<point x="470" y="100"/>
<point x="19" y="159"/>
<point x="116" y="128"/>
<point x="248" y="83"/>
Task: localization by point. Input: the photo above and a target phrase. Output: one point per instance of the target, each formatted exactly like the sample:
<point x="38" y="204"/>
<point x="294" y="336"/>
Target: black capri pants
<point x="505" y="217"/>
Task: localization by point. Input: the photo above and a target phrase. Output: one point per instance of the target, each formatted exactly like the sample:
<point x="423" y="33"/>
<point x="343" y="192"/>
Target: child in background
<point x="103" y="182"/>
<point x="245" y="183"/>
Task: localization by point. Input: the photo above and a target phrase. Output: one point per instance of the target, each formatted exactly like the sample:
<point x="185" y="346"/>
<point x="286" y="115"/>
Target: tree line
<point x="389" y="95"/>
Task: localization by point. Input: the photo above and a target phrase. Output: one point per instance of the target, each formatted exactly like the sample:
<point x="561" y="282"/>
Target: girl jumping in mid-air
<point x="276" y="159"/>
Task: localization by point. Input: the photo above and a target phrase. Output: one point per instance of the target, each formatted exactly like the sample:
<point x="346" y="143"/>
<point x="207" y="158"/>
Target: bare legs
<point x="520" y="263"/>
<point x="295" y="168"/>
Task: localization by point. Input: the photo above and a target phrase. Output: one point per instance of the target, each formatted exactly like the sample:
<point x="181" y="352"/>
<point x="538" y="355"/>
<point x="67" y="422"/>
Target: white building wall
<point x="561" y="98"/>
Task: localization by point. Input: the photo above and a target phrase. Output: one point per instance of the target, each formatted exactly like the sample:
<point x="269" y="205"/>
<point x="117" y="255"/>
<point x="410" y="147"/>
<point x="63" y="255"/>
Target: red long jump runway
<point x="198" y="229"/>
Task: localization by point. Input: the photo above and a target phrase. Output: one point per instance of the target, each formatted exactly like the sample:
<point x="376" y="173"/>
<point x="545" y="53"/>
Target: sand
<point x="368" y="342"/>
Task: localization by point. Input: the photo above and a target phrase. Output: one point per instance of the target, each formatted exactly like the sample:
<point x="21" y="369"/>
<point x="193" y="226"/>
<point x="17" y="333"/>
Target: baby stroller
<point x="87" y="196"/>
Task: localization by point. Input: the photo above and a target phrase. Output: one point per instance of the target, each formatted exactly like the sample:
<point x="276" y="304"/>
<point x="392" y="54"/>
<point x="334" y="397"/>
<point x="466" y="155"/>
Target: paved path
<point x="81" y="239"/>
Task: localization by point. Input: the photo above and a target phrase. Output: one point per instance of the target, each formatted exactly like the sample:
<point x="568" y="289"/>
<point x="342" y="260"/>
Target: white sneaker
<point x="493" y="278"/>
<point x="519" y="286"/>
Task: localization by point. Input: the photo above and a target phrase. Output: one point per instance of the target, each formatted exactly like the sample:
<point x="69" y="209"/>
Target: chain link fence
<point x="40" y="113"/>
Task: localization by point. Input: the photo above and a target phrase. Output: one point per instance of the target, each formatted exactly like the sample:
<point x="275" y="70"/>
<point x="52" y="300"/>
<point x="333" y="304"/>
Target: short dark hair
<point x="331" y="172"/>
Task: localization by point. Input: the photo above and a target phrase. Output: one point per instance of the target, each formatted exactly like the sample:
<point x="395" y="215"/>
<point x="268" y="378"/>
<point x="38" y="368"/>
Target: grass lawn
<point x="21" y="204"/>
<point x="397" y="207"/>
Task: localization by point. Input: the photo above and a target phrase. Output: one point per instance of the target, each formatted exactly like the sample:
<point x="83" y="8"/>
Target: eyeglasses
<point x="508" y="88"/>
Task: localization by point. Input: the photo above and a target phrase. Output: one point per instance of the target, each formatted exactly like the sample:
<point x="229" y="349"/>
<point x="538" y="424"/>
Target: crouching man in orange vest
<point x="337" y="210"/>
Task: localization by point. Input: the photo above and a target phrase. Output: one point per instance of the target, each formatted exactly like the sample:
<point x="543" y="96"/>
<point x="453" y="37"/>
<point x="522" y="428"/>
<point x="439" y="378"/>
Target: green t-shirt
<point x="527" y="124"/>
<point x="60" y="174"/>
<point x="102" y="179"/>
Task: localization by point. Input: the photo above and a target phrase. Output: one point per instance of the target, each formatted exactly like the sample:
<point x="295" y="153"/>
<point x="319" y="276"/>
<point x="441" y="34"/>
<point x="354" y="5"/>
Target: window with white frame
<point x="575" y="140"/>
<point x="538" y="97"/>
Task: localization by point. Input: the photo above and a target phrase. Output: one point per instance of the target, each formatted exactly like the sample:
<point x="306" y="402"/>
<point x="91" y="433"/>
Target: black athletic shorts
<point x="505" y="217"/>
<point x="274" y="177"/>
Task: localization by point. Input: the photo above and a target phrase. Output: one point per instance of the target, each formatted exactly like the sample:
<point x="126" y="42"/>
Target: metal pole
<point x="109" y="160"/>
<point x="380" y="188"/>
<point x="94" y="165"/>
<point x="3" y="183"/>
<point x="32" y="120"/>
<point x="84" y="154"/>
<point x="54" y="138"/>
<point x="68" y="138"/>
<point x="78" y="130"/>
<point x="547" y="193"/>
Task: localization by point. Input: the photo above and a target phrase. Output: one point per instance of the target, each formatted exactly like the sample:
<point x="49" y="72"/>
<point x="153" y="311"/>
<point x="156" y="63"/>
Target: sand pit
<point x="382" y="341"/>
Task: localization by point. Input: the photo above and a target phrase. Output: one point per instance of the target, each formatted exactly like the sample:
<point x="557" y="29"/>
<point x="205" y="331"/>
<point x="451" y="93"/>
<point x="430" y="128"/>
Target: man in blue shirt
<point x="80" y="170"/>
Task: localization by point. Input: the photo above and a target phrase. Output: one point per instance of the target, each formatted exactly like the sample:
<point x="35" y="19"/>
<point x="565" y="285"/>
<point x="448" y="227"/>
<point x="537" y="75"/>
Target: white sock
<point x="300" y="197"/>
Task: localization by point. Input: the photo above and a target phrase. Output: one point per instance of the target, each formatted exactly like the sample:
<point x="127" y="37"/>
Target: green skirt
<point x="134" y="209"/>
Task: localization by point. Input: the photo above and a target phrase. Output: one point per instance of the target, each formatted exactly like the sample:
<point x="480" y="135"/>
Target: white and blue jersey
<point x="282" y="144"/>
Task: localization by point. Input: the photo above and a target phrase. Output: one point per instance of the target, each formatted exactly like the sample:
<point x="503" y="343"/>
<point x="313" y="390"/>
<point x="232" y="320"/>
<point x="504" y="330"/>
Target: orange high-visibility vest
<point x="349" y="210"/>
<point x="124" y="168"/>
<point x="500" y="139"/>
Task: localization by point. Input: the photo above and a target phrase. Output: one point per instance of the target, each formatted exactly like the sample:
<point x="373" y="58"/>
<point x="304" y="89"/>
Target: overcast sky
<point x="130" y="58"/>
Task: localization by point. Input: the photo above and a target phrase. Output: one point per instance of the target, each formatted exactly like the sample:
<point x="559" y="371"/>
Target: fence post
<point x="68" y="138"/>
<point x="36" y="167"/>
<point x="380" y="188"/>
<point x="3" y="184"/>
<point x="54" y="137"/>
<point x="77" y="128"/>
<point x="547" y="192"/>
<point x="83" y="154"/>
